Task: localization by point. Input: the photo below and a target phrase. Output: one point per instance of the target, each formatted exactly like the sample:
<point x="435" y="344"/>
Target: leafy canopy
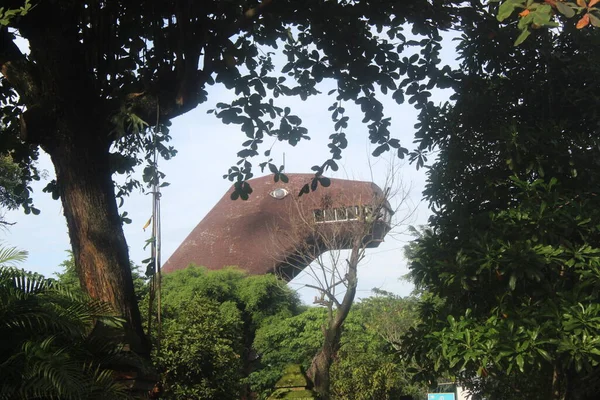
<point x="138" y="64"/>
<point x="367" y="364"/>
<point x="510" y="261"/>
<point x="209" y="323"/>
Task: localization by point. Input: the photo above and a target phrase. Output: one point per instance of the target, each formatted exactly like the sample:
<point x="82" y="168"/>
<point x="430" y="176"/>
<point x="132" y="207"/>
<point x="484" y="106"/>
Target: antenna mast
<point x="155" y="253"/>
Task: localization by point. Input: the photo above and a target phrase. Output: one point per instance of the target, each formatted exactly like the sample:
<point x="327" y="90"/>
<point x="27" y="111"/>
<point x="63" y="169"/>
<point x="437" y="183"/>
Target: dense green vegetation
<point x="367" y="365"/>
<point x="225" y="333"/>
<point x="56" y="343"/>
<point x="209" y="323"/>
<point x="510" y="258"/>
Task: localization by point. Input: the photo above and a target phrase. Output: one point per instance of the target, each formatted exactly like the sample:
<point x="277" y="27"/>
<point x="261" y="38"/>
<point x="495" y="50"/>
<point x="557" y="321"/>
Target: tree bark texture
<point x="86" y="190"/>
<point x="319" y="369"/>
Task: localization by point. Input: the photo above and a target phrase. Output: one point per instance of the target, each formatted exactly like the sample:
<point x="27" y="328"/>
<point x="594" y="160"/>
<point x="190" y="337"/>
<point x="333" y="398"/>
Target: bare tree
<point x="327" y="236"/>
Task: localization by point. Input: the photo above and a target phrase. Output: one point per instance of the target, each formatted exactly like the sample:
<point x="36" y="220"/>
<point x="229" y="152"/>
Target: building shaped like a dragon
<point x="251" y="234"/>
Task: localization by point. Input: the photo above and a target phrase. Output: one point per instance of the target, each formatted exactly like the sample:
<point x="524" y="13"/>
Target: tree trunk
<point x="86" y="190"/>
<point x="559" y="387"/>
<point x="318" y="372"/>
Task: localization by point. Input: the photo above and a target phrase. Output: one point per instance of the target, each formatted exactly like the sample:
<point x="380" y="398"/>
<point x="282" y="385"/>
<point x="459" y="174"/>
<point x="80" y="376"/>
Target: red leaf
<point x="583" y="22"/>
<point x="524" y="13"/>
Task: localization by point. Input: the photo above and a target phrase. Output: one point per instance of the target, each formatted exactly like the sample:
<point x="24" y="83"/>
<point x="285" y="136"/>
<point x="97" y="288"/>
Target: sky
<point x="206" y="149"/>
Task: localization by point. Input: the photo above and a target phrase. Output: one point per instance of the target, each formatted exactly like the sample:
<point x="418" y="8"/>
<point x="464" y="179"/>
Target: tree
<point x="314" y="239"/>
<point x="390" y="316"/>
<point x="11" y="185"/>
<point x="209" y="320"/>
<point x="98" y="73"/>
<point x="366" y="366"/>
<point x="201" y="351"/>
<point x="510" y="260"/>
<point x="369" y="364"/>
<point x="283" y="341"/>
<point x="51" y="346"/>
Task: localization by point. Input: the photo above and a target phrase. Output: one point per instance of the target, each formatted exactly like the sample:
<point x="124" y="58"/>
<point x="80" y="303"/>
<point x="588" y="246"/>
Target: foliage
<point x="283" y="341"/>
<point x="150" y="69"/>
<point x="9" y="180"/>
<point x="51" y="345"/>
<point x="200" y="351"/>
<point x="510" y="262"/>
<point x="11" y="256"/>
<point x="257" y="296"/>
<point x="6" y="14"/>
<point x="534" y="14"/>
<point x="209" y="324"/>
<point x="367" y="364"/>
<point x="292" y="385"/>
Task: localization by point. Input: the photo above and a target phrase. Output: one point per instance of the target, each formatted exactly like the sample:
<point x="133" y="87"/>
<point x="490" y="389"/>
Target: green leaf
<point x="524" y="34"/>
<point x="512" y="282"/>
<point x="521" y="363"/>
<point x="508" y="7"/>
<point x="564" y="9"/>
<point x="544" y="354"/>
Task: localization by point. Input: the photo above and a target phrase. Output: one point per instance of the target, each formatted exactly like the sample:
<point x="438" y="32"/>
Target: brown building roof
<point x="241" y="233"/>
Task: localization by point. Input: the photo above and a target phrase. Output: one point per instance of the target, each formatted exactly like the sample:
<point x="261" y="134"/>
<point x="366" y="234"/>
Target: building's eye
<point x="279" y="193"/>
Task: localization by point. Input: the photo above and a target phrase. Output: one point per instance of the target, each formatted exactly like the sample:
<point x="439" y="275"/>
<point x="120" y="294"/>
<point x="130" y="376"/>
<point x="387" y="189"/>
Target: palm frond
<point x="24" y="281"/>
<point x="9" y="256"/>
<point x="51" y="344"/>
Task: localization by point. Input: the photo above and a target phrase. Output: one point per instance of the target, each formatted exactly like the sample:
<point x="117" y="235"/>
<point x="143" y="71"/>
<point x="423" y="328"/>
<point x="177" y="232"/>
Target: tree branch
<point x="329" y="295"/>
<point x="17" y="70"/>
<point x="170" y="99"/>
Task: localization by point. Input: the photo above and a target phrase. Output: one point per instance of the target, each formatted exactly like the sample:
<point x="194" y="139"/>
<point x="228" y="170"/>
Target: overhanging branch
<point x="247" y="17"/>
<point x="168" y="94"/>
<point x="16" y="69"/>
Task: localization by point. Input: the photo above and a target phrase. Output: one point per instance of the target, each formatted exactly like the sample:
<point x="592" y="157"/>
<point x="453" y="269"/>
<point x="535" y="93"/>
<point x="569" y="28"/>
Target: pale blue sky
<point x="206" y="150"/>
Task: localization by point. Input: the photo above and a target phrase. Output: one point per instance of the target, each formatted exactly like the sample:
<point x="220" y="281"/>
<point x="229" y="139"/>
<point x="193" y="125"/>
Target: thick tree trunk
<point x="101" y="255"/>
<point x="319" y="369"/>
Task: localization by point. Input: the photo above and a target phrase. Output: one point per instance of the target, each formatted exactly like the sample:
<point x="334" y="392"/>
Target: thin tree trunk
<point x="318" y="372"/>
<point x="559" y="390"/>
<point x="101" y="255"/>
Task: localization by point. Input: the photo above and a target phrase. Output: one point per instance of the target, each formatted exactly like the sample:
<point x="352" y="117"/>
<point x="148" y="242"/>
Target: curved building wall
<point x="241" y="233"/>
